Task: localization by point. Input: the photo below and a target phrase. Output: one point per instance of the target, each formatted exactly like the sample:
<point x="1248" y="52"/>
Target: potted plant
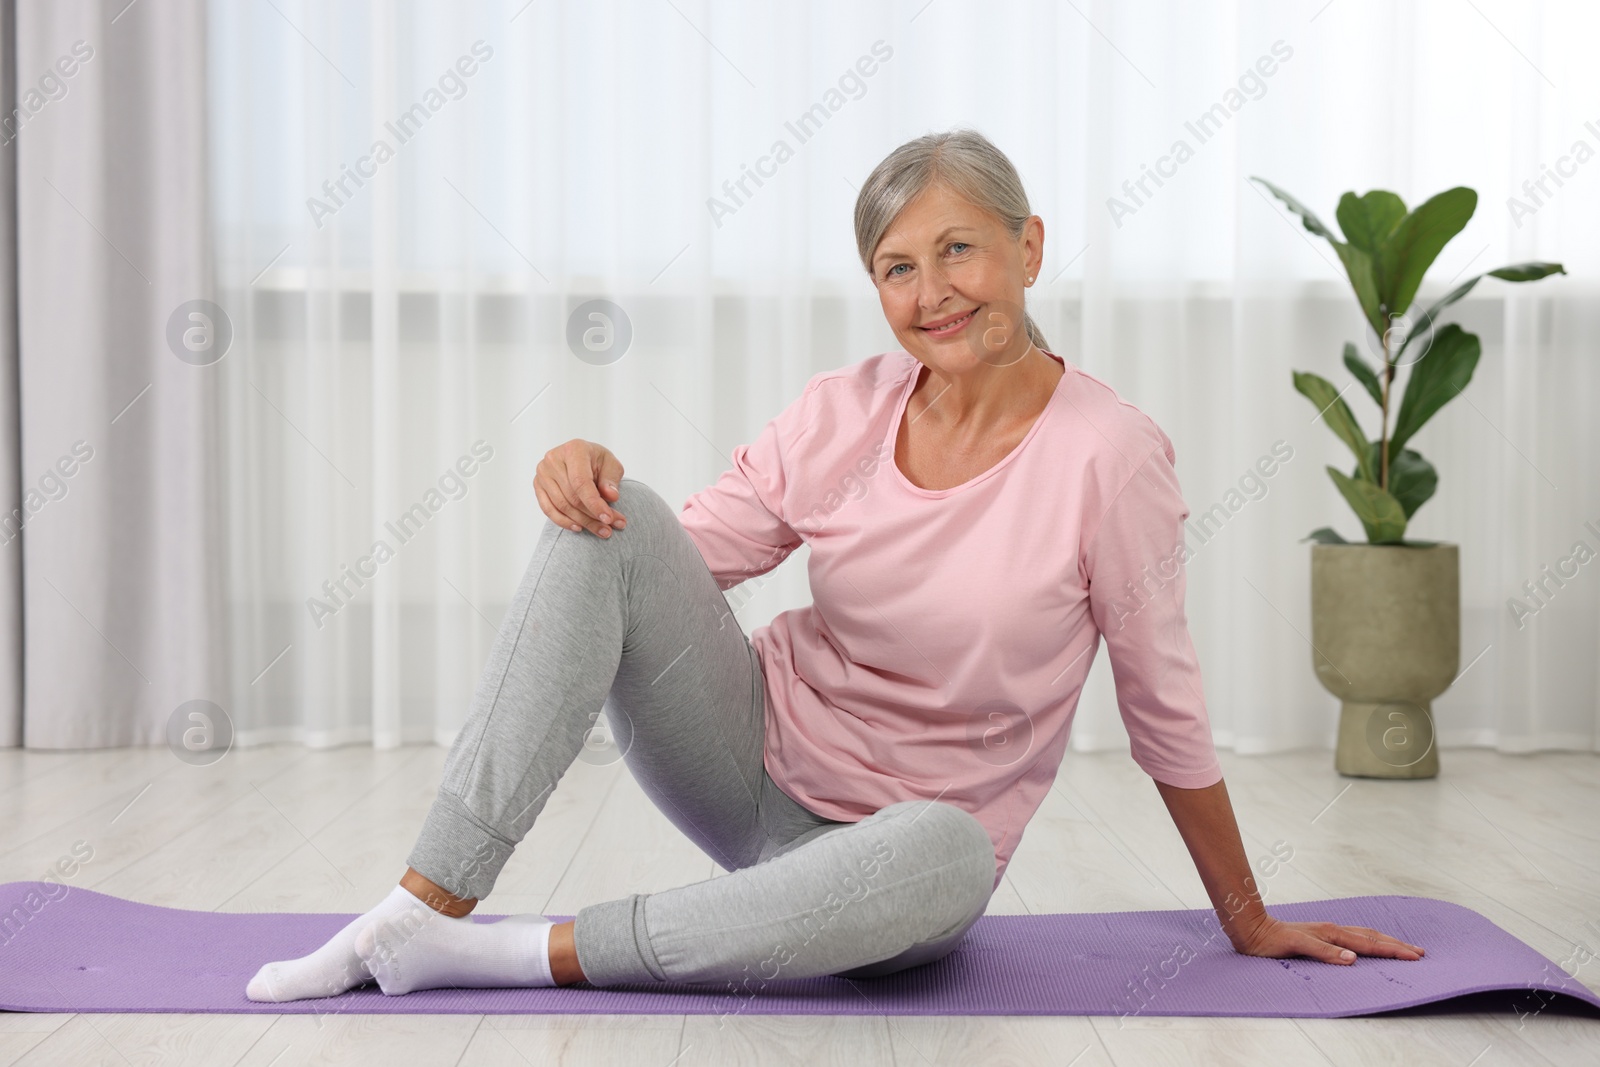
<point x="1386" y="615"/>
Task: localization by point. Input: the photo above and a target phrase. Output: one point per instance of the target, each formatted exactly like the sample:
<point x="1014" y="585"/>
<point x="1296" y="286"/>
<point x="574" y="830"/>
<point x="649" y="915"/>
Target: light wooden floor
<point x="287" y="829"/>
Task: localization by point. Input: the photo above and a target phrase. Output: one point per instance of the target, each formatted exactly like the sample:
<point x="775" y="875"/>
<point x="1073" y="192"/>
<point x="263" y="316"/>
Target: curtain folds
<point x="401" y="216"/>
<point x="120" y="467"/>
<point x="10" y="412"/>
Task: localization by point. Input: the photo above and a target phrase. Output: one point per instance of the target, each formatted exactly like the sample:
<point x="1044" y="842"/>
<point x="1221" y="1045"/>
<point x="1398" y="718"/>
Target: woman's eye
<point x="957" y="246"/>
<point x="891" y="272"/>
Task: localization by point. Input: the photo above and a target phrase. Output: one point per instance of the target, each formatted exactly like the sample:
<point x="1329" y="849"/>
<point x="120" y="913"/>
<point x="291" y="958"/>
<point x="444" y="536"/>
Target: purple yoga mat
<point x="88" y="952"/>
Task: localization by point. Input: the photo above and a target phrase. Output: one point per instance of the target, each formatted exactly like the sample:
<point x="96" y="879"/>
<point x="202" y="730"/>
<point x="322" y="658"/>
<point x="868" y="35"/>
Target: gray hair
<point x="963" y="159"/>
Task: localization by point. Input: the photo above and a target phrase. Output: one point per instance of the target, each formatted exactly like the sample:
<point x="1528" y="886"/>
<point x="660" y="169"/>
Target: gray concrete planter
<point x="1386" y="636"/>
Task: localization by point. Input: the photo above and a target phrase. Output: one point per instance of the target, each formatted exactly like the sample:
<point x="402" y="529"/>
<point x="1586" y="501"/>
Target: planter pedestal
<point x="1386" y="640"/>
<point x="1386" y="741"/>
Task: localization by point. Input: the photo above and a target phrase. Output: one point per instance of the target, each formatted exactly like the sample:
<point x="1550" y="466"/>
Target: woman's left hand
<point x="1328" y="942"/>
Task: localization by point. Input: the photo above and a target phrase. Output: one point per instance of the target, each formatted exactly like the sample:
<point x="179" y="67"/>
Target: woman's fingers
<point x="578" y="487"/>
<point x="1325" y="941"/>
<point x="564" y="496"/>
<point x="1418" y="949"/>
<point x="1369" y="942"/>
<point x="1385" y="938"/>
<point x="1323" y="947"/>
<point x="583" y="490"/>
<point x="556" y="511"/>
<point x="609" y="475"/>
<point x="566" y="485"/>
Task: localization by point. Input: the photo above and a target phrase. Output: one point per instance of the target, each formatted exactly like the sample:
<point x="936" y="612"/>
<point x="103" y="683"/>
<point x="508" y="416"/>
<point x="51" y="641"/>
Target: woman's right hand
<point x="575" y="483"/>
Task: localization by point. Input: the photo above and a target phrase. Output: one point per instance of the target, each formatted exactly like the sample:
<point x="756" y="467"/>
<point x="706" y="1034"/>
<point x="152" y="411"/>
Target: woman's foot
<point x="336" y="966"/>
<point x="411" y="951"/>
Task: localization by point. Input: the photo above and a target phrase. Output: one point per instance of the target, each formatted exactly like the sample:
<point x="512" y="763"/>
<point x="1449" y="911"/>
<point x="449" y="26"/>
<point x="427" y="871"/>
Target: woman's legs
<point x="687" y="706"/>
<point x="637" y="625"/>
<point x="637" y="618"/>
<point x="894" y="890"/>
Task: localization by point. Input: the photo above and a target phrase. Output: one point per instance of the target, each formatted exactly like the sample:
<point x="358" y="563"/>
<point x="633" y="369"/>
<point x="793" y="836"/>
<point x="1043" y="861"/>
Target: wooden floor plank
<point x="812" y="1041"/>
<point x="178" y="1040"/>
<point x="1160" y="1046"/>
<point x="363" y="1041"/>
<point x="575" y="1041"/>
<point x="997" y="1041"/>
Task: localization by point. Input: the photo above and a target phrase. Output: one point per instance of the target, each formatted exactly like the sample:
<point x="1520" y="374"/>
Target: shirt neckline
<point x="915" y="371"/>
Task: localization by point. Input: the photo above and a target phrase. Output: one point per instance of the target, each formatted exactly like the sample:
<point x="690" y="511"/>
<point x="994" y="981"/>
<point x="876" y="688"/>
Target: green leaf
<point x="1368" y="220"/>
<point x="1425" y="323"/>
<point x="1417" y="242"/>
<point x="1435" y="379"/>
<point x="1325" y="535"/>
<point x="1363" y="373"/>
<point x="1516" y="272"/>
<point x="1412" y="479"/>
<point x="1358" y="266"/>
<point x="1336" y="413"/>
<point x="1307" y="217"/>
<point x="1379" y="512"/>
<point x="1528" y="272"/>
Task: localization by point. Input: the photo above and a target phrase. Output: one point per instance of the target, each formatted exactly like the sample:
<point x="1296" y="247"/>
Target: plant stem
<point x="1383" y="436"/>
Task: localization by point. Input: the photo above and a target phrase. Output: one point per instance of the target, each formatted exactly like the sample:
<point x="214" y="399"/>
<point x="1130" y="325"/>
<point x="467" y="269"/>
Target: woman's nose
<point x="933" y="287"/>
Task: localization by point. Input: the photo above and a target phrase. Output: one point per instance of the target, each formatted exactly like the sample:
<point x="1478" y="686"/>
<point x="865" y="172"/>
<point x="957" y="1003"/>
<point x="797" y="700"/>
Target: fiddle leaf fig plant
<point x="1385" y="252"/>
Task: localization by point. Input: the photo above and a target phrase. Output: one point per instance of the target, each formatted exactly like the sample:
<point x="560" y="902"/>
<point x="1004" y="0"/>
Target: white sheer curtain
<point x="385" y="329"/>
<point x="115" y="524"/>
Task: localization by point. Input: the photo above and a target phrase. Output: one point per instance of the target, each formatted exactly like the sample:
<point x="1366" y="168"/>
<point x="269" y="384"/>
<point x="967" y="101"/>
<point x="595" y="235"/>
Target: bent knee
<point x="950" y="839"/>
<point x="645" y="509"/>
<point x="636" y="496"/>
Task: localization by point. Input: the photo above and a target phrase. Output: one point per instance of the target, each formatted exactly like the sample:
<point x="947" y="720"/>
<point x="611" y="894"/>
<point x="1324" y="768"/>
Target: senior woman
<point x="979" y="515"/>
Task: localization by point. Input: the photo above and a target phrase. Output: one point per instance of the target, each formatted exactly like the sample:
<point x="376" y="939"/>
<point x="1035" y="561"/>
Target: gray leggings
<point x="635" y="624"/>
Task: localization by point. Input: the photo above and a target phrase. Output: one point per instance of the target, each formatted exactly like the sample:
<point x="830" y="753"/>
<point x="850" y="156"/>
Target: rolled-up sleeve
<point x="1135" y="569"/>
<point x="737" y="522"/>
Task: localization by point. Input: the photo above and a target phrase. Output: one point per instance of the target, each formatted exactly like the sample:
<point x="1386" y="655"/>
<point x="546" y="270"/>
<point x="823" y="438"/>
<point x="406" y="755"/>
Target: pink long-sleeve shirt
<point x="951" y="630"/>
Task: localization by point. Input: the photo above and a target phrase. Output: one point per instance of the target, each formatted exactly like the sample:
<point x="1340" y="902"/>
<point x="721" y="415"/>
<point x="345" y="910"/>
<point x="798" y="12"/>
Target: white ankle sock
<point x="333" y="968"/>
<point x="439" y="952"/>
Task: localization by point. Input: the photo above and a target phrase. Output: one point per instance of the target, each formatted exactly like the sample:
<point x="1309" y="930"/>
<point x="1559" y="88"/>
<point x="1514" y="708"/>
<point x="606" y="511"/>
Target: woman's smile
<point x="948" y="326"/>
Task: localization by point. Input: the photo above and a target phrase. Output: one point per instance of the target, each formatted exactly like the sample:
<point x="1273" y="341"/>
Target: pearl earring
<point x="1030" y="279"/>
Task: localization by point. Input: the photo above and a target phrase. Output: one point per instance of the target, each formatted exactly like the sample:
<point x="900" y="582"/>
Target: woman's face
<point x="951" y="280"/>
